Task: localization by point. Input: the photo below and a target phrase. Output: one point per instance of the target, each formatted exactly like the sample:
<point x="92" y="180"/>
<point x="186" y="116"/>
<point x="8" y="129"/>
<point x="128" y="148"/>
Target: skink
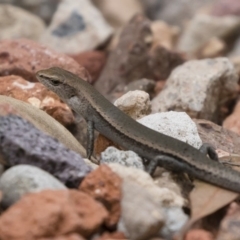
<point x="103" y="116"/>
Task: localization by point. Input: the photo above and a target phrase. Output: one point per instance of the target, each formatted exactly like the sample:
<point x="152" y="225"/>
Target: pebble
<point x="22" y="179"/>
<point x="136" y="104"/>
<point x="125" y="158"/>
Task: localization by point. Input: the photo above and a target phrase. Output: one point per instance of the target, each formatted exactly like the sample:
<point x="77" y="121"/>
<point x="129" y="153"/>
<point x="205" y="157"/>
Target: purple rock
<point x="22" y="143"/>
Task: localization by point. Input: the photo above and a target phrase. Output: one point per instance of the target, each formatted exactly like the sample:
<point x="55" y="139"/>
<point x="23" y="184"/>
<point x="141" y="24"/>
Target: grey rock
<point x="125" y="158"/>
<point x="18" y="23"/>
<point x="203" y="28"/>
<point x="22" y="179"/>
<point x="200" y="88"/>
<point x="22" y="143"/>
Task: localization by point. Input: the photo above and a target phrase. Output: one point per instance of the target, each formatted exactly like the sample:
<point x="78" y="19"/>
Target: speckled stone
<point x="22" y="143"/>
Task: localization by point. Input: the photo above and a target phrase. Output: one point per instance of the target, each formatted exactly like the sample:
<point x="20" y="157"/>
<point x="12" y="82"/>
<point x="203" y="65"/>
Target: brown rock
<point x="134" y="58"/>
<point x="105" y="186"/>
<point x="24" y="57"/>
<point x="38" y="96"/>
<point x="226" y="7"/>
<point x="93" y="61"/>
<point x="114" y="235"/>
<point x="53" y="214"/>
<point x="218" y="136"/>
<point x="232" y="122"/>
<point x="198" y="234"/>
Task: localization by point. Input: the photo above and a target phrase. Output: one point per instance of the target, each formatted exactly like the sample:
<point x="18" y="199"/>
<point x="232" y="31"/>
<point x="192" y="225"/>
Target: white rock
<point x="76" y="26"/>
<point x="144" y="205"/>
<point x="175" y="124"/>
<point x="203" y="27"/>
<point x="18" y="23"/>
<point x="198" y="87"/>
<point x="125" y="158"/>
<point x="136" y="103"/>
<point x="22" y="179"/>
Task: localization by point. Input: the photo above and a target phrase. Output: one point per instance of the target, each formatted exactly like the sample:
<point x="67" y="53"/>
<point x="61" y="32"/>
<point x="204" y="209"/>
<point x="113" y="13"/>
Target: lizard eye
<point x="55" y="82"/>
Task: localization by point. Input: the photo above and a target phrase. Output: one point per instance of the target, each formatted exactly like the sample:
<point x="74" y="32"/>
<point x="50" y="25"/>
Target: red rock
<point x="114" y="235"/>
<point x="198" y="234"/>
<point x="51" y="214"/>
<point x="226" y="7"/>
<point x="105" y="186"/>
<point x="24" y="58"/>
<point x="38" y="96"/>
<point x="93" y="61"/>
<point x="67" y="237"/>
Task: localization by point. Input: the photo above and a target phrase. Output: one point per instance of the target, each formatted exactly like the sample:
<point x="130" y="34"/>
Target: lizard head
<point x="57" y="80"/>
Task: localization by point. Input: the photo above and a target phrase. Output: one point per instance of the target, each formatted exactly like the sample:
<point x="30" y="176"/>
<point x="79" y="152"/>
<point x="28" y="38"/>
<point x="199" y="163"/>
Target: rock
<point x="144" y="84"/>
<point x="175" y="221"/>
<point x="207" y="27"/>
<point x="219" y="137"/>
<point x="93" y="61"/>
<point x="236" y="49"/>
<point x="236" y="62"/>
<point x="52" y="213"/>
<point x="65" y="237"/>
<point x="174" y="124"/>
<point x="164" y="34"/>
<point x="199" y="234"/>
<point x="22" y="179"/>
<point x="213" y="48"/>
<point x="22" y="143"/>
<point x="136" y="104"/>
<point x="200" y="88"/>
<point x="175" y="12"/>
<point x="141" y="216"/>
<point x="76" y="26"/>
<point x="37" y="95"/>
<point x="125" y="158"/>
<point x="228" y="226"/>
<point x="161" y="194"/>
<point x="112" y="236"/>
<point x="116" y="18"/>
<point x="232" y="122"/>
<point x="43" y="9"/>
<point x="18" y="23"/>
<point x="226" y="7"/>
<point x="40" y="120"/>
<point x="24" y="58"/>
<point x="105" y="186"/>
<point x="135" y="57"/>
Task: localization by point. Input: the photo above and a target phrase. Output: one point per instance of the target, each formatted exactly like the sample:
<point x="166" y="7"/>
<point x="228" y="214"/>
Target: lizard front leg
<point x="90" y="138"/>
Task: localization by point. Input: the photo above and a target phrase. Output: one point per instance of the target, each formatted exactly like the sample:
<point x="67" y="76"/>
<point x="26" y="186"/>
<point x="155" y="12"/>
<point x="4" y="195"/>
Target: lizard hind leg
<point x="90" y="138"/>
<point x="209" y="150"/>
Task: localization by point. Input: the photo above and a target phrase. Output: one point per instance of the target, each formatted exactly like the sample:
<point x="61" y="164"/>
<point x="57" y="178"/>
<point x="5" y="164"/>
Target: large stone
<point x="226" y="7"/>
<point x="22" y="143"/>
<point x="24" y="58"/>
<point x="76" y="26"/>
<point x="52" y="213"/>
<point x="18" y="23"/>
<point x="198" y="88"/>
<point x="22" y="179"/>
